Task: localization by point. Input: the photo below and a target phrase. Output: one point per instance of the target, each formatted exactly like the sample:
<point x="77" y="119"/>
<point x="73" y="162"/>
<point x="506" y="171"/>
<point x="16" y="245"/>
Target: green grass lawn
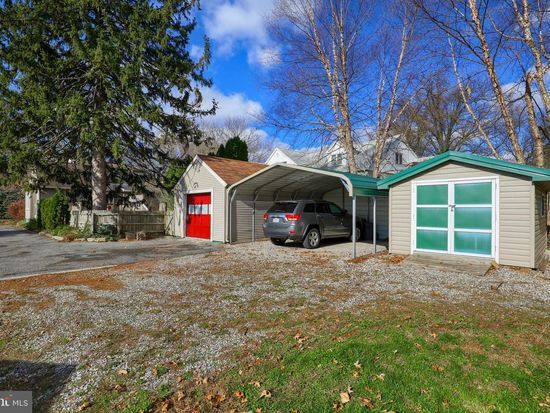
<point x="398" y="357"/>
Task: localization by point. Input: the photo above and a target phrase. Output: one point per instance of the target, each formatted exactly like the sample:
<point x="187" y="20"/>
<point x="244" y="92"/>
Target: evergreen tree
<point x="235" y="148"/>
<point x="87" y="87"/>
<point x="221" y="151"/>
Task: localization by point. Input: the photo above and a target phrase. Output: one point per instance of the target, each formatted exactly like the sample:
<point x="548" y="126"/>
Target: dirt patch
<point x="384" y="256"/>
<point x="97" y="280"/>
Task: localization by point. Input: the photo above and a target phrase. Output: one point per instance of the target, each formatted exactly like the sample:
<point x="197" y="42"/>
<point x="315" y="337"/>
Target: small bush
<point x="70" y="233"/>
<point x="54" y="211"/>
<point x="16" y="210"/>
<point x="32" y="225"/>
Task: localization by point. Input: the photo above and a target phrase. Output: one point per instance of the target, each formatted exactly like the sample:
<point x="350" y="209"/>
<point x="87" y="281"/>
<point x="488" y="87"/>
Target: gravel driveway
<point x="23" y="252"/>
<point x="70" y="337"/>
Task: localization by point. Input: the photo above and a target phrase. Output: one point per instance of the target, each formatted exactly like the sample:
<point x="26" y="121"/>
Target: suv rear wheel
<point x="278" y="241"/>
<point x="357" y="234"/>
<point x="312" y="239"/>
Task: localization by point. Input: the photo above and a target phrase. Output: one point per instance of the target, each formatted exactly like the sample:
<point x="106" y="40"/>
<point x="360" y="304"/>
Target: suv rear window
<point x="286" y="207"/>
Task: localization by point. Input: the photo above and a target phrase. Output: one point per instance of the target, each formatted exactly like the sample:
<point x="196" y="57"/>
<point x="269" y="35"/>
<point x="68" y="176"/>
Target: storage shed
<point x="464" y="204"/>
<point x="200" y="196"/>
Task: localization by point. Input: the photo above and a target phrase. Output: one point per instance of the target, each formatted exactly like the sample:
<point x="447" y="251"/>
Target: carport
<point x="250" y="198"/>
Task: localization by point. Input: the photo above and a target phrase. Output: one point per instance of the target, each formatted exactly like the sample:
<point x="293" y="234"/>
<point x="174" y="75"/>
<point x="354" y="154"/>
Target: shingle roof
<point x="536" y="174"/>
<point x="231" y="170"/>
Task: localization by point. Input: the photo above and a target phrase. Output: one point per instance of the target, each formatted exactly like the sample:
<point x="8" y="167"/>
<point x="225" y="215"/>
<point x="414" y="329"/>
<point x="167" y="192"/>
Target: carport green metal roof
<point x="532" y="172"/>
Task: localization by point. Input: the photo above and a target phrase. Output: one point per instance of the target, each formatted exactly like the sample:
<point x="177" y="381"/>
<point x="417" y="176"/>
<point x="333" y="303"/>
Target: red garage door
<point x="199" y="208"/>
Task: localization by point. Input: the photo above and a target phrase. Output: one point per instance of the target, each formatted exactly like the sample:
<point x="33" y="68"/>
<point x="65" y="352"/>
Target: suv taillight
<point x="265" y="217"/>
<point x="293" y="217"/>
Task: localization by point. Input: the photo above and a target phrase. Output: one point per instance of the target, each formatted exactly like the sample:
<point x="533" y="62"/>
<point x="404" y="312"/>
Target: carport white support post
<point x="231" y="197"/>
<point x="354" y="219"/>
<point x="374" y="224"/>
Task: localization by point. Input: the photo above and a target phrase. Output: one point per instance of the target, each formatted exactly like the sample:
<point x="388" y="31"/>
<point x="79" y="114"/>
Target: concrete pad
<point x="447" y="262"/>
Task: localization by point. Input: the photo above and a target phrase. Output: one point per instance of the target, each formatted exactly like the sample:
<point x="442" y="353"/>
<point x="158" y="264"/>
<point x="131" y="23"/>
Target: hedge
<point x="53" y="211"/>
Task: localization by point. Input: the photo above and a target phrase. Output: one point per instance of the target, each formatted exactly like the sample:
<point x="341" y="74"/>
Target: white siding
<point x="515" y="199"/>
<point x="197" y="179"/>
<point x="540" y="226"/>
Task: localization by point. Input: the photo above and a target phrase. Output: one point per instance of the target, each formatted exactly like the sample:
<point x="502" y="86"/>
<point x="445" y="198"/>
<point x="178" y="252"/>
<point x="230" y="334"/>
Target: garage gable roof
<point x="230" y="170"/>
<point x="536" y="174"/>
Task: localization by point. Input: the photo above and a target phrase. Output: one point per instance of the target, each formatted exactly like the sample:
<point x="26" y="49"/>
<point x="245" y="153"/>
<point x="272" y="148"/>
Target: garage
<point x="250" y="198"/>
<point x="200" y="196"/>
<point x="462" y="204"/>
<point x="198" y="215"/>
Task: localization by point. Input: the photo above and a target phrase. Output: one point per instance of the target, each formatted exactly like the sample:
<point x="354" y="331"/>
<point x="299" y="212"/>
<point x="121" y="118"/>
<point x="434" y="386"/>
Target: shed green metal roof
<point x="536" y="174"/>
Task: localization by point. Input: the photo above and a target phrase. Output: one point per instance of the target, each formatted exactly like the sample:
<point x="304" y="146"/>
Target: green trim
<point x="536" y="174"/>
<point x="363" y="185"/>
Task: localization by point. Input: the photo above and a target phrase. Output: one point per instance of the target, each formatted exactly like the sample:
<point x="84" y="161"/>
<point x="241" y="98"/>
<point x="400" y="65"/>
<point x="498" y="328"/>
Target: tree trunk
<point x="525" y="22"/>
<point x="99" y="180"/>
<point x="499" y="94"/>
<point x="535" y="132"/>
<point x="468" y="107"/>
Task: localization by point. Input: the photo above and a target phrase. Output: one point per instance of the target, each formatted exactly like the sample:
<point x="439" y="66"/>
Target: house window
<point x="398" y="158"/>
<point x="336" y="159"/>
<point x="543" y="199"/>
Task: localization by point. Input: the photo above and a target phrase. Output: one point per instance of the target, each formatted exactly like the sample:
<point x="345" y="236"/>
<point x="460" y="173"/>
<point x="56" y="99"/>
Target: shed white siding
<point x="198" y="178"/>
<point x="516" y="211"/>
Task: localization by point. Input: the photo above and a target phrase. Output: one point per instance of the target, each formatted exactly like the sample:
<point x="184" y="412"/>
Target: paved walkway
<point x="23" y="252"/>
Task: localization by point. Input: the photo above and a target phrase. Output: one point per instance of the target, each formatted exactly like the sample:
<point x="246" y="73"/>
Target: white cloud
<point x="240" y="23"/>
<point x="196" y="51"/>
<point x="230" y="106"/>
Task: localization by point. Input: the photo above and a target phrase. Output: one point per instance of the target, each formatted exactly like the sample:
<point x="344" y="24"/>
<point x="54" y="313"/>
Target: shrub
<point x="7" y="196"/>
<point x="16" y="210"/>
<point x="32" y="225"/>
<point x="54" y="211"/>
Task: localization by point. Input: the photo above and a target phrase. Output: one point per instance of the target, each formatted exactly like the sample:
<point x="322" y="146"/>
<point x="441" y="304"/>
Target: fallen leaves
<point x="84" y="406"/>
<point x="122" y="372"/>
<point x="357" y="365"/>
<point x="437" y="367"/>
<point x="265" y="394"/>
<point x="365" y="401"/>
<point x="380" y="376"/>
<point x="345" y="396"/>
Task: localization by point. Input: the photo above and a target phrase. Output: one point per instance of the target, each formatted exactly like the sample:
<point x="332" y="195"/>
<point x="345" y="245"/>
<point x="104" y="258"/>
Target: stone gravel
<point x="190" y="313"/>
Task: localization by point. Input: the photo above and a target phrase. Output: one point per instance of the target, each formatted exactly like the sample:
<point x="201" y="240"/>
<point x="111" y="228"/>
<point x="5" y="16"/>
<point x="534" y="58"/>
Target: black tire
<point x="358" y="234"/>
<point x="312" y="239"/>
<point x="278" y="241"/>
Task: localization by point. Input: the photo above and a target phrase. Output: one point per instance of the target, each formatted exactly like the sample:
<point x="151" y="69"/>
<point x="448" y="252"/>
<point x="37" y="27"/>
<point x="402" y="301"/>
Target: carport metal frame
<point x="355" y="185"/>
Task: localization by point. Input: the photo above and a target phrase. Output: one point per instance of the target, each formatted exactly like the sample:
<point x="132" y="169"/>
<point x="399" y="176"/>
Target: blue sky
<point x="240" y="54"/>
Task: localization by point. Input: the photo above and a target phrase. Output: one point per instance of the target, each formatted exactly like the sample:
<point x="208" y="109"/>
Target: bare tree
<point x="535" y="44"/>
<point x="467" y="22"/>
<point x="464" y="94"/>
<point x="259" y="144"/>
<point x="318" y="81"/>
<point x="437" y="120"/>
<point x="538" y="141"/>
<point x="386" y="113"/>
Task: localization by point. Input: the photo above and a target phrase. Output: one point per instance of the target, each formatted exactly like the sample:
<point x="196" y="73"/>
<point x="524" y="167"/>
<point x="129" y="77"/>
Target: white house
<point x="397" y="155"/>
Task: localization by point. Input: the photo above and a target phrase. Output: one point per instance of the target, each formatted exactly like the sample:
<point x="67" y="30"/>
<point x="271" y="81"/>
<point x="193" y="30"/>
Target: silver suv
<point x="308" y="221"/>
